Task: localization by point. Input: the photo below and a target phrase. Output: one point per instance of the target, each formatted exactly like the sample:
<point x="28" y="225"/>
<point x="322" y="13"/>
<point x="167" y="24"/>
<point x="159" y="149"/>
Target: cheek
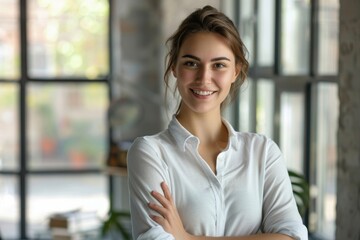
<point x="225" y="80"/>
<point x="184" y="74"/>
<point x="185" y="77"/>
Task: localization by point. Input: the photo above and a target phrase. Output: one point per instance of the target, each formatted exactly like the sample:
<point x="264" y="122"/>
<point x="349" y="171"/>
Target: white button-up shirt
<point x="250" y="193"/>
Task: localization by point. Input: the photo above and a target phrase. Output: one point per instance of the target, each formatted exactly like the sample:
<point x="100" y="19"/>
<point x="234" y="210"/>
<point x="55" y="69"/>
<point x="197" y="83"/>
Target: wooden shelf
<point x="116" y="171"/>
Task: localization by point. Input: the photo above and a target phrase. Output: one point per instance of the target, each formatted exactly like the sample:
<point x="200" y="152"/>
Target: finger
<point x="160" y="198"/>
<point x="159" y="209"/>
<point x="161" y="221"/>
<point x="166" y="191"/>
<point x="157" y="218"/>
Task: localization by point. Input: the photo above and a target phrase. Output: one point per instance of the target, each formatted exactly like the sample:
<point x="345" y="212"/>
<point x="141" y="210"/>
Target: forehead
<point x="206" y="45"/>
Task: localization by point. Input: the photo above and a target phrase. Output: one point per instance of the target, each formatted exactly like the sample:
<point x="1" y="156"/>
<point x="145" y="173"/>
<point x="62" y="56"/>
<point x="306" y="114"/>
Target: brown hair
<point x="209" y="19"/>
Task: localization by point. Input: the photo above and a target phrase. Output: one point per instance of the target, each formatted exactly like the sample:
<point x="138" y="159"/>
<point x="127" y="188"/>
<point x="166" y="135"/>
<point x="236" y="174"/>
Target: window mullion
<point x="22" y="118"/>
<point x="278" y="50"/>
<point x="314" y="29"/>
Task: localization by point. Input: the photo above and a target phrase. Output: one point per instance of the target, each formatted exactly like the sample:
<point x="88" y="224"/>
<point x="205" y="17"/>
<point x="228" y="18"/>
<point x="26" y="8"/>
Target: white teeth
<point x="202" y="93"/>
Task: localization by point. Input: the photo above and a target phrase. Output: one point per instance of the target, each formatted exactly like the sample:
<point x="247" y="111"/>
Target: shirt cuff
<point x="155" y="233"/>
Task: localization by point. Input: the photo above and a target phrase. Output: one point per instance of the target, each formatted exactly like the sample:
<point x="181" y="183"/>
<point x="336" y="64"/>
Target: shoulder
<point x="150" y="141"/>
<point x="247" y="139"/>
<point x="250" y="136"/>
<point x="151" y="145"/>
<point x="253" y="139"/>
<point x="262" y="147"/>
<point x="147" y="151"/>
<point x="255" y="144"/>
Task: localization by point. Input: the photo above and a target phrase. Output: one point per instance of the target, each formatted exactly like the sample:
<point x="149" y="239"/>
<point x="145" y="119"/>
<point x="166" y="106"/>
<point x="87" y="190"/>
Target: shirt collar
<point x="232" y="135"/>
<point x="182" y="135"/>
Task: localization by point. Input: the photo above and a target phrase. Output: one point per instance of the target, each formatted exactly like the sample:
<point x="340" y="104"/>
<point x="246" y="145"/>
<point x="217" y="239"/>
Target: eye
<point x="190" y="64"/>
<point x="219" y="65"/>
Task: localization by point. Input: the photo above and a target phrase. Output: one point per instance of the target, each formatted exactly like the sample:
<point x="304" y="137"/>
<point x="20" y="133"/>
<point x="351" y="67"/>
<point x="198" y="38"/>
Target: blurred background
<point x="77" y="77"/>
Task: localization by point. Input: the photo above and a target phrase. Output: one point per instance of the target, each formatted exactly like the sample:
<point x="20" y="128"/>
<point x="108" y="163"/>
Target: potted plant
<point x="114" y="223"/>
<point x="301" y="191"/>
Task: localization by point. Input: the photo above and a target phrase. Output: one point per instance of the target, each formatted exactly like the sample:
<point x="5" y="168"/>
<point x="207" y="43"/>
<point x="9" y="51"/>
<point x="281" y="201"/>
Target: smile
<point x="202" y="93"/>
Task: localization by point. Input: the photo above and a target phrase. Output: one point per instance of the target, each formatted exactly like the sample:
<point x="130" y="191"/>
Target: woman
<point x="200" y="179"/>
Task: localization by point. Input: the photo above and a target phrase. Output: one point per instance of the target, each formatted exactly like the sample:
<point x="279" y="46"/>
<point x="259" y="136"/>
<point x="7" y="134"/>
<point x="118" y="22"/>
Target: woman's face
<point x="205" y="70"/>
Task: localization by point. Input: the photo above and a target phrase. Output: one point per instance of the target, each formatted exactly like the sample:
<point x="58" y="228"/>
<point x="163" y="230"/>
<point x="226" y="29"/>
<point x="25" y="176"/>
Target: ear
<point x="237" y="72"/>
<point x="173" y="70"/>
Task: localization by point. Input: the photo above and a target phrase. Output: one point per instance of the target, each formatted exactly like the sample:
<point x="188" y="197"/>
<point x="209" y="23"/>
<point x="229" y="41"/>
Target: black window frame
<point x="304" y="83"/>
<point x="22" y="82"/>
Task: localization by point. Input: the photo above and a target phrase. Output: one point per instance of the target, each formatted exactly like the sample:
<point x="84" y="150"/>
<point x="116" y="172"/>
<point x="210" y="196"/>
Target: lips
<point x="202" y="92"/>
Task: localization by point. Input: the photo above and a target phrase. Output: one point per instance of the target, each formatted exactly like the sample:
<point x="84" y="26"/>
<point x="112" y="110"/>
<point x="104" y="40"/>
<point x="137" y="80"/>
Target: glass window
<point x="328" y="37"/>
<point x="9" y="207"/>
<point x="247" y="23"/>
<point x="292" y="129"/>
<point x="49" y="194"/>
<point x="245" y="111"/>
<point x="265" y="107"/>
<point x="9" y="125"/>
<point x="266" y="33"/>
<point x="280" y="98"/>
<point x="323" y="212"/>
<point x="9" y="40"/>
<point x="61" y="34"/>
<point x="295" y="37"/>
<point x="67" y="125"/>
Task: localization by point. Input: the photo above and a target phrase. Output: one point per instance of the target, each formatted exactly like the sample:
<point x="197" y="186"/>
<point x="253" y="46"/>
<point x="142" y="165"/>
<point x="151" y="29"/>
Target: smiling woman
<point x="207" y="74"/>
<point x="199" y="178"/>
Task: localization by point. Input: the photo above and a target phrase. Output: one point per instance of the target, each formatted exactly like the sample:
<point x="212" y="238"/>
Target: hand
<point x="169" y="217"/>
<point x="170" y="220"/>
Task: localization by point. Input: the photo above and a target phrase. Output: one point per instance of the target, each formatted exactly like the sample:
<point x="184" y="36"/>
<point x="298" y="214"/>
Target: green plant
<point x="301" y="191"/>
<point x="114" y="222"/>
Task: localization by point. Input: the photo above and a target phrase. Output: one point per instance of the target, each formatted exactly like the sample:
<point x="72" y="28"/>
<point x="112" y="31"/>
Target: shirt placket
<point x="220" y="226"/>
<point x="215" y="182"/>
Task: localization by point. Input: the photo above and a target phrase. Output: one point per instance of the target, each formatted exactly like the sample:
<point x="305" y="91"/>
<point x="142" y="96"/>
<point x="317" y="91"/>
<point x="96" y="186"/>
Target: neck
<point x="207" y="127"/>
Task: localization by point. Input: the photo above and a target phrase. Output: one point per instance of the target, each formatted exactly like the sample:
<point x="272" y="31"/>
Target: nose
<point x="204" y="74"/>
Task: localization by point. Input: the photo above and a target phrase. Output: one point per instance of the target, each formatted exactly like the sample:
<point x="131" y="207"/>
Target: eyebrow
<point x="213" y="60"/>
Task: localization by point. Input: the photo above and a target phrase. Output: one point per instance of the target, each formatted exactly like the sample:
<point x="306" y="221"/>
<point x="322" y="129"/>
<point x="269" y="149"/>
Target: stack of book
<point x="74" y="225"/>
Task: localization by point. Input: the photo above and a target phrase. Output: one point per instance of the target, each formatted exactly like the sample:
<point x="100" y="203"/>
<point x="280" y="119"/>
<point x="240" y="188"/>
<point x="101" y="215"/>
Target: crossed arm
<point x="170" y="220"/>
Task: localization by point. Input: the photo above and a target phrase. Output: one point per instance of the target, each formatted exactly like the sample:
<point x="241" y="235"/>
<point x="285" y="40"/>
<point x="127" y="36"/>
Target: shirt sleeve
<point x="146" y="171"/>
<point x="280" y="213"/>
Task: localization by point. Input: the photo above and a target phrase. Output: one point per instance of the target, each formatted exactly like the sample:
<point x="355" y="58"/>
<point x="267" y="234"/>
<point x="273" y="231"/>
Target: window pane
<point x="9" y="127"/>
<point x="67" y="125"/>
<point x="245" y="96"/>
<point x="9" y="207"/>
<point x="265" y="107"/>
<point x="50" y="194"/>
<point x="247" y="23"/>
<point x="292" y="129"/>
<point x="328" y="37"/>
<point x="323" y="214"/>
<point x="295" y="37"/>
<point x="9" y="40"/>
<point x="266" y="33"/>
<point x="68" y="38"/>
